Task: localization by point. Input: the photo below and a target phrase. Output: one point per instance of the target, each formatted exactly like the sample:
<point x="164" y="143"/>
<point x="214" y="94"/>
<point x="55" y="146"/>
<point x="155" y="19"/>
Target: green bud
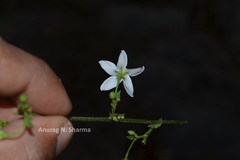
<point x="130" y="137"/>
<point x="115" y="118"/>
<point x="23" y="98"/>
<point x="144" y="141"/>
<point x="22" y="108"/>
<point x="120" y="116"/>
<point x="112" y="95"/>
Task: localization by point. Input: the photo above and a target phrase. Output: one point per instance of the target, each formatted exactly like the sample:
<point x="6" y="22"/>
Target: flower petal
<point x="135" y="71"/>
<point x="122" y="60"/>
<point x="127" y="83"/>
<point x="109" y="83"/>
<point x="109" y="67"/>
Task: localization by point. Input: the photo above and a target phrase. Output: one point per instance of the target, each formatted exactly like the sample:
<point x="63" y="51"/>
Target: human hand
<point x="21" y="72"/>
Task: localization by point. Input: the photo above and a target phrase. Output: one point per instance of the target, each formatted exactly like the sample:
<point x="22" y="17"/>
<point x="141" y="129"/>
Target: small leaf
<point x="22" y="108"/>
<point x="118" y="95"/>
<point x="3" y="135"/>
<point x="3" y="123"/>
<point x="132" y="133"/>
<point x="130" y="137"/>
<point x="34" y="115"/>
<point x="156" y="124"/>
<point x="144" y="141"/>
<point x="27" y="120"/>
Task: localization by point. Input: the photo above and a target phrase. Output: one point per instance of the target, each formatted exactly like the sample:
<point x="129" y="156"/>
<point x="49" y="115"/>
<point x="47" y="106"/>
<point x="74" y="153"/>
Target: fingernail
<point x="64" y="137"/>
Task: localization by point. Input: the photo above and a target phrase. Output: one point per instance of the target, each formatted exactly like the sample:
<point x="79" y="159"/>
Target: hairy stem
<point x="125" y="120"/>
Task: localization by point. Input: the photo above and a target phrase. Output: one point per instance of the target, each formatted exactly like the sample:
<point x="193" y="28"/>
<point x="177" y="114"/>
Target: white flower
<point x="119" y="71"/>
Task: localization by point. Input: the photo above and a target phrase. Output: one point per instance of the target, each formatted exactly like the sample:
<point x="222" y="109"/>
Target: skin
<point x="21" y="72"/>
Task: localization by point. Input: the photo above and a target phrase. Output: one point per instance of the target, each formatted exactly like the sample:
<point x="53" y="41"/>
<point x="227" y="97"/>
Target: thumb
<point x="43" y="142"/>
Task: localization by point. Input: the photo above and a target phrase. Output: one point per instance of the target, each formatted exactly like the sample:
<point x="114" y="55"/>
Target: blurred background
<point x="190" y="50"/>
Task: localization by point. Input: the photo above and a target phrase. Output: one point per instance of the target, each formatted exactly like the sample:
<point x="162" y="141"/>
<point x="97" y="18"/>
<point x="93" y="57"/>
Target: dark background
<point x="191" y="53"/>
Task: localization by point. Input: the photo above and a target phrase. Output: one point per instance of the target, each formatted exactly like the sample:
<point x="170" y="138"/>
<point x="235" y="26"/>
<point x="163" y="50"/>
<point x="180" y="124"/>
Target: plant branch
<point x="129" y="148"/>
<point x="125" y="120"/>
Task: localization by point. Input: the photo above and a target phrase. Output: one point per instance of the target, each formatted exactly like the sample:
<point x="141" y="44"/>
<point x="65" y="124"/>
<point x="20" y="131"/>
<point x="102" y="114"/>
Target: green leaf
<point x="156" y="124"/>
<point x="144" y="141"/>
<point x="132" y="133"/>
<point x="118" y="95"/>
<point x="34" y="115"/>
<point x="3" y="135"/>
<point x="130" y="137"/>
<point x="3" y="123"/>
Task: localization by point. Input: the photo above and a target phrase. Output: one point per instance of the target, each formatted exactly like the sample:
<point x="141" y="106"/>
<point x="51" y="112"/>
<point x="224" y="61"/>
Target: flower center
<point x="121" y="74"/>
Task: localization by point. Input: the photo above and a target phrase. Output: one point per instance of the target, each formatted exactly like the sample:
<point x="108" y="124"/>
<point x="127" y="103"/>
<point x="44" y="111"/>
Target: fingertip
<point x="64" y="137"/>
<point x="53" y="132"/>
<point x="44" y="141"/>
<point x="22" y="72"/>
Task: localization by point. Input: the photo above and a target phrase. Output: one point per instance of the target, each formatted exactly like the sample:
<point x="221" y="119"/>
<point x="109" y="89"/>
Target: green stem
<point x="115" y="101"/>
<point x="125" y="120"/>
<point x="129" y="148"/>
<point x="116" y="89"/>
<point x="148" y="132"/>
<point x="18" y="131"/>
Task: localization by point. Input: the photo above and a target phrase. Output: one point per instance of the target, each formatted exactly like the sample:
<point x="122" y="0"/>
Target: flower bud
<point x="112" y="95"/>
<point x="23" y="98"/>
